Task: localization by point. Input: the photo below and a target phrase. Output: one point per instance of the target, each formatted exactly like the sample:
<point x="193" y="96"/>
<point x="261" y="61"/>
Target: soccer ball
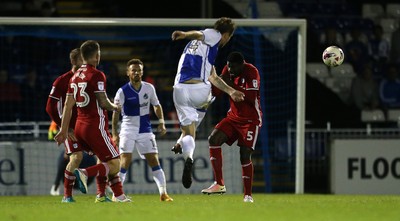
<point x="333" y="56"/>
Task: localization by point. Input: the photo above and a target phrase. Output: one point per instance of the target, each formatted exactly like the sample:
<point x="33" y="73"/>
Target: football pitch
<point x="203" y="207"/>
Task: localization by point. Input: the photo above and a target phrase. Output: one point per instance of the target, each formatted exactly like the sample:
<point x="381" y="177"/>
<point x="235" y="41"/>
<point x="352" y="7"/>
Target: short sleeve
<point x="153" y="98"/>
<point x="119" y="98"/>
<point x="211" y="36"/>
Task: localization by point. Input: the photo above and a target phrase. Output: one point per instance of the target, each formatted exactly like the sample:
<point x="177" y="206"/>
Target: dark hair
<point x="236" y="57"/>
<point x="75" y="54"/>
<point x="134" y="61"/>
<point x="225" y="25"/>
<point x="89" y="49"/>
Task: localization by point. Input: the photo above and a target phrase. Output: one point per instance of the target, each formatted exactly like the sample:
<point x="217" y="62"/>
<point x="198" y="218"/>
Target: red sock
<point x="101" y="182"/>
<point x="216" y="162"/>
<point x="69" y="180"/>
<point x="247" y="176"/>
<point x="101" y="169"/>
<point x="116" y="186"/>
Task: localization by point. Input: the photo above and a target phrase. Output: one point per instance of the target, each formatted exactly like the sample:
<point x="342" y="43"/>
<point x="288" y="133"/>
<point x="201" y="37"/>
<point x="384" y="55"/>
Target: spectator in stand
<point x="10" y="98"/>
<point x="355" y="50"/>
<point x="364" y="94"/>
<point x="330" y="37"/>
<point x="33" y="97"/>
<point x="389" y="88"/>
<point x="378" y="47"/>
<point x="395" y="46"/>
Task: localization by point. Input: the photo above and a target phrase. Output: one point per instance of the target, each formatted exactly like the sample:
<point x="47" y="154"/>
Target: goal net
<point x="34" y="51"/>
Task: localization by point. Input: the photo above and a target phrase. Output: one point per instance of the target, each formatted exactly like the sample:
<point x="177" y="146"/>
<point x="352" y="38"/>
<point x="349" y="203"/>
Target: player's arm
<point x="105" y="103"/>
<point x="114" y="126"/>
<point x="192" y="35"/>
<point x="160" y="115"/>
<point x="66" y="117"/>
<point x="220" y="84"/>
<point x="51" y="109"/>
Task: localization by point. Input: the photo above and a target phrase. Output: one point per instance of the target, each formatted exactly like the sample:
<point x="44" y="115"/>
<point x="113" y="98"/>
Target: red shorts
<point x="97" y="139"/>
<point x="72" y="147"/>
<point x="245" y="134"/>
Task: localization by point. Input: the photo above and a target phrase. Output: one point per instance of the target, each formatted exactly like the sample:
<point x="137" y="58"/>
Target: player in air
<point x="192" y="87"/>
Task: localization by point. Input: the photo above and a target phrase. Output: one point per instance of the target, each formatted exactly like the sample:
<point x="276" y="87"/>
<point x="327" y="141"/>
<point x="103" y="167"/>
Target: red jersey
<point x="85" y="83"/>
<point x="58" y="92"/>
<point x="249" y="110"/>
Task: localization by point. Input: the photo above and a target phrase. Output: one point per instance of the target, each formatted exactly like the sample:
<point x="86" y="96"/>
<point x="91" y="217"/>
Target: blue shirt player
<point x="192" y="87"/>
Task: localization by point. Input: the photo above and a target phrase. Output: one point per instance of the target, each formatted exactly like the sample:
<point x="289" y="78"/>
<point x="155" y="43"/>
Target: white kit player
<point x="135" y="98"/>
<point x="192" y="87"/>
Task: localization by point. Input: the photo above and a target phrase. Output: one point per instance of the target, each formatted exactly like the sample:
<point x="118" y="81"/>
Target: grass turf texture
<point x="204" y="207"/>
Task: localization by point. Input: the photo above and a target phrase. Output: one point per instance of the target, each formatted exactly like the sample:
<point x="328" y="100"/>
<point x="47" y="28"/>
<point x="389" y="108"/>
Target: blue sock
<point x="156" y="168"/>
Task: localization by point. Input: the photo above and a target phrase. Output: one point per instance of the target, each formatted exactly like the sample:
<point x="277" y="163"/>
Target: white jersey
<point x="198" y="57"/>
<point x="135" y="109"/>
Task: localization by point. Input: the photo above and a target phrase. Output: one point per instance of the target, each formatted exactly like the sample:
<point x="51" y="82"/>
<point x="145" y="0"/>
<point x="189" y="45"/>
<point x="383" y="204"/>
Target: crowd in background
<point x="373" y="52"/>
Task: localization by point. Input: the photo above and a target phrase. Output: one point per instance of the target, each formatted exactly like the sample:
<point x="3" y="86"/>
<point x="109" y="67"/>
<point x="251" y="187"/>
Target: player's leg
<point x="126" y="159"/>
<point x="177" y="148"/>
<point x="147" y="148"/>
<point x="247" y="142"/>
<point x="101" y="185"/>
<point x="75" y="159"/>
<point x="74" y="151"/>
<point x="115" y="181"/>
<point x="247" y="172"/>
<point x="187" y="97"/>
<point x="158" y="176"/>
<point x="127" y="144"/>
<point x="188" y="147"/>
<point x="100" y="143"/>
<point x="224" y="132"/>
<point x="62" y="162"/>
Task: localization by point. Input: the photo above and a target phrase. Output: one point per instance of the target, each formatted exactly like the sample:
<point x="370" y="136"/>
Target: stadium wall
<point x="29" y="168"/>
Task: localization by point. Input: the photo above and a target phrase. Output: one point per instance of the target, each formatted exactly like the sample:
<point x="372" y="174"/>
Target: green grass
<point x="205" y="208"/>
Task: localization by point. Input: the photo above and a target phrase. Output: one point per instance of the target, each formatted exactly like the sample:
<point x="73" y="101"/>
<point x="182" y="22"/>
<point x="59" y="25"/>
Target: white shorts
<point x="144" y="143"/>
<point x="188" y="98"/>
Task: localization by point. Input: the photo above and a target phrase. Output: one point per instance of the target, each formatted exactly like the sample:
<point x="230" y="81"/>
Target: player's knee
<point x="114" y="166"/>
<point x="216" y="139"/>
<point x="245" y="154"/>
<point x="76" y="157"/>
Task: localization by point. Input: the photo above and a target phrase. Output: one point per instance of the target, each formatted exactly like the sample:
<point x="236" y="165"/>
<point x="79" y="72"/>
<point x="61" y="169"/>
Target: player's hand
<point x="161" y="129"/>
<point x="177" y="35"/>
<point x="61" y="137"/>
<point x="237" y="96"/>
<point x="118" y="108"/>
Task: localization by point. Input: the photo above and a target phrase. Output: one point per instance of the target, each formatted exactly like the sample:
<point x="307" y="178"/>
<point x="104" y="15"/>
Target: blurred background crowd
<point x="367" y="31"/>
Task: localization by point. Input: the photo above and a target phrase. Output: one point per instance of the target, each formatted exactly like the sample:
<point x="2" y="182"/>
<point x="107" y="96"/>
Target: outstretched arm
<point x="105" y="103"/>
<point x="192" y="35"/>
<point x="220" y="84"/>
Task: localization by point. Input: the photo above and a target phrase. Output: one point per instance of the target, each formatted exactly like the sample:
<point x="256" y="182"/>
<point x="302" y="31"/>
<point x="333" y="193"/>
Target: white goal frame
<point x="301" y="56"/>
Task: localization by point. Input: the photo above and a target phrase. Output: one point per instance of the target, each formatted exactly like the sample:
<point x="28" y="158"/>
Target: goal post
<point x="277" y="47"/>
